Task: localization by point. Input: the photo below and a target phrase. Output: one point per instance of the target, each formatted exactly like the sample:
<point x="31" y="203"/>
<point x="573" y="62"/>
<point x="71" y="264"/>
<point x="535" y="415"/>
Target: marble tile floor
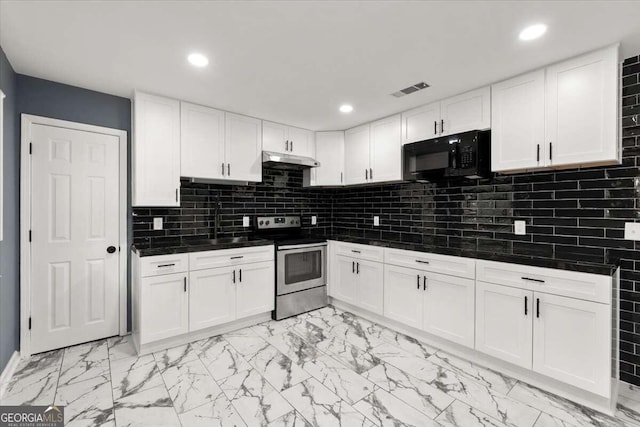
<point x="323" y="368"/>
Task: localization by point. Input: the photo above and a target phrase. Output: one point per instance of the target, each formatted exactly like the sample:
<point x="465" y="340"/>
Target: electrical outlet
<point x="376" y="221"/>
<point x="632" y="230"/>
<point x="314" y="220"/>
<point x="157" y="223"/>
<point x="520" y="228"/>
<point x="246" y="221"/>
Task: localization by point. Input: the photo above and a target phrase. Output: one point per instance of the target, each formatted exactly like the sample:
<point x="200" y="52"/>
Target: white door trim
<point x="25" y="219"/>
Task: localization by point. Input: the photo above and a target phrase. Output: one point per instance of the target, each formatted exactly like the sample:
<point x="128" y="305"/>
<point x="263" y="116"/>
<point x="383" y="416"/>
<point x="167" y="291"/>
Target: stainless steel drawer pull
<point x="532" y="280"/>
<point x="166" y="265"/>
<point x="237" y="257"/>
<point x="418" y="281"/>
<point x="422" y="262"/>
<point x="354" y="251"/>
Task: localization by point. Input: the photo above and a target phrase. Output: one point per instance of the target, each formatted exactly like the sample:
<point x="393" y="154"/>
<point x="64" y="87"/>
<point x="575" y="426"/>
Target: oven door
<point x="301" y="267"/>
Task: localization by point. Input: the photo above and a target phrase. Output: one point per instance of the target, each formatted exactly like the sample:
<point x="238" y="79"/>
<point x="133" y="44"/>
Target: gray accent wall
<point x="9" y="246"/>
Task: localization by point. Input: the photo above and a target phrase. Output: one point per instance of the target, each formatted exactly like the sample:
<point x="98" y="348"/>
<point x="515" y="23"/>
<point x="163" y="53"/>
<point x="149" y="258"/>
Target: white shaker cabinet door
<point x="570" y="341"/>
<point x="356" y="155"/>
<point x="504" y="319"/>
<point x="421" y="123"/>
<point x="466" y="112"/>
<point x="255" y="288"/>
<point x="212" y="297"/>
<point x="301" y="142"/>
<point x="403" y="295"/>
<point x="202" y="142"/>
<point x="386" y="150"/>
<point x="243" y="148"/>
<point x="582" y="107"/>
<point x="345" y="284"/>
<point x="517" y="123"/>
<point x="156" y="151"/>
<point x="275" y="137"/>
<point x="449" y="308"/>
<point x="330" y="154"/>
<point x="165" y="307"/>
<point x="370" y="285"/>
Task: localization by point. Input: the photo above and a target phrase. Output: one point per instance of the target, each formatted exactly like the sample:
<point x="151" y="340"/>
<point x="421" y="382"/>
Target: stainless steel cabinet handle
<point x="237" y="257"/>
<point x="223" y="169"/>
<point x="340" y="177"/>
<point x="538" y="153"/>
<point x="176" y="194"/>
<point x="228" y="169"/>
<point x="441" y="126"/>
<point x="240" y="272"/>
<point x="418" y="282"/>
<point x="422" y="262"/>
<point x="526" y="305"/>
<point x="357" y="268"/>
<point x="353" y="266"/>
<point x="354" y="251"/>
<point x="234" y="276"/>
<point x="185" y="284"/>
<point x="286" y="145"/>
<point x="532" y="280"/>
<point x="166" y="265"/>
<point x="370" y="173"/>
<point x="291" y="145"/>
<point x="550" y="150"/>
<point x="537" y="307"/>
<point x="366" y="174"/>
<point x="435" y="127"/>
<point x="424" y="283"/>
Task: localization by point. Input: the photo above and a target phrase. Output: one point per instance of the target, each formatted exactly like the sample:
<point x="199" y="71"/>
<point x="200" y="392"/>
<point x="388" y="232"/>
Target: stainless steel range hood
<point x="287" y="161"/>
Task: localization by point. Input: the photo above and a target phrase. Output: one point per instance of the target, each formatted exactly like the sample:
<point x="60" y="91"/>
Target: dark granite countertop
<point x="203" y="245"/>
<point x="583" y="267"/>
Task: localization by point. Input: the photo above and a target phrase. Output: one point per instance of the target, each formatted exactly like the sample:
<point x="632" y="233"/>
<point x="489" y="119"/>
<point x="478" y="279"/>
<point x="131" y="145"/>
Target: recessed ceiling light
<point x="533" y="32"/>
<point x="346" y="108"/>
<point x="198" y="60"/>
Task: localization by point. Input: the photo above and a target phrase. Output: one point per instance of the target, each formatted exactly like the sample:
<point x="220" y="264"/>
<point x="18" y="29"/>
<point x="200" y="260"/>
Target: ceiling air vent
<point x="409" y="90"/>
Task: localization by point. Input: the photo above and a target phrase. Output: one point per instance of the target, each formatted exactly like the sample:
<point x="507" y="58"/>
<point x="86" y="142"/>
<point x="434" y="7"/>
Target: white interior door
<point x="75" y="209"/>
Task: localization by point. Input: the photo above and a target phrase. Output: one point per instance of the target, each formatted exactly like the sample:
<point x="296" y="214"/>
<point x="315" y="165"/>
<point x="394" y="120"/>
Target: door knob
<point x="111" y="249"/>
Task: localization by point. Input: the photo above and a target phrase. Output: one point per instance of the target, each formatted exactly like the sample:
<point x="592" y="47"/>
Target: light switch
<point x="314" y="220"/>
<point x="520" y="228"/>
<point x="157" y="223"/>
<point x="376" y="221"/>
<point x="245" y="221"/>
<point x="632" y="230"/>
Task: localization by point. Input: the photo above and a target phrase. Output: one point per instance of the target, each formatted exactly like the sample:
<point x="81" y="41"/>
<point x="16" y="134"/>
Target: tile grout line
<point x="167" y="388"/>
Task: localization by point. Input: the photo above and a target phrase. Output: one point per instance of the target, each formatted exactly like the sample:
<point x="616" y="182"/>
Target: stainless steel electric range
<point x="301" y="266"/>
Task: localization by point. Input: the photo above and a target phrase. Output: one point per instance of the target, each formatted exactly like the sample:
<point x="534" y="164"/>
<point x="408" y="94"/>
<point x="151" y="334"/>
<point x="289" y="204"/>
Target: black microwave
<point x="465" y="154"/>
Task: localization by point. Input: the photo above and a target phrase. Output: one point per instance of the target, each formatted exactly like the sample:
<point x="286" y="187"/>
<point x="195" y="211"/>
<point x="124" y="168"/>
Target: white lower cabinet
<point x="212" y="297"/>
<point x="571" y="340"/>
<point x="165" y="306"/>
<point x="255" y="290"/>
<point x="359" y="282"/>
<point x="449" y="304"/>
<point x="439" y="304"/>
<point x="504" y="319"/>
<point x="173" y="295"/>
<point x="402" y="295"/>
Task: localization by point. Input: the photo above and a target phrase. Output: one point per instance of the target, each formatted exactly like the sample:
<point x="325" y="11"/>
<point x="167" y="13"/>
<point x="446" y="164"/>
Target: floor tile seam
<point x="166" y="389"/>
<point x="113" y="399"/>
<point x="55" y="395"/>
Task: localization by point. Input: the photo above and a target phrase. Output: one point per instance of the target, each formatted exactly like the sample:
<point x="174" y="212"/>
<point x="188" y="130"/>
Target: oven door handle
<point x="308" y="245"/>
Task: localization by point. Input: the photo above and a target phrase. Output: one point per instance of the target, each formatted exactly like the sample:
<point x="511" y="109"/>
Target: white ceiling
<point x="296" y="62"/>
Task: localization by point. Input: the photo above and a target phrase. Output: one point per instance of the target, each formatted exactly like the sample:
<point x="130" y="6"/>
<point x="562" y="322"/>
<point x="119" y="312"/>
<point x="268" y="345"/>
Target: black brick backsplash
<point x="576" y="214"/>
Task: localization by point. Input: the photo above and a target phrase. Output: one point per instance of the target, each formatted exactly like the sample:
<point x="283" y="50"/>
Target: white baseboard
<point x="7" y="373"/>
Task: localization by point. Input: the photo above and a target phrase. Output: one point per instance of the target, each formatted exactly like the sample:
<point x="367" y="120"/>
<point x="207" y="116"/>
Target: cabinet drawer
<point x="163" y="264"/>
<point x="355" y="250"/>
<point x="444" y="264"/>
<point x="586" y="286"/>
<point x="228" y="257"/>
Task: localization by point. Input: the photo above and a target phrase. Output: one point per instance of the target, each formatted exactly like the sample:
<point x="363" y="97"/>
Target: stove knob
<point x="292" y="221"/>
<point x="267" y="223"/>
<point x="261" y="222"/>
<point x="297" y="221"/>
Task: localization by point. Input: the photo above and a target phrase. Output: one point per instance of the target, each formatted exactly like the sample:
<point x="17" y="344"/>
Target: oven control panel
<point x="264" y="222"/>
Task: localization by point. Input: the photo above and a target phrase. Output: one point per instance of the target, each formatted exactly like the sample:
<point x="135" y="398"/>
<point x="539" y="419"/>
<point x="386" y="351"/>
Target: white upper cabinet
<point x="156" y="151"/>
<point x="517" y="117"/>
<point x="356" y="155"/>
<point x="287" y="139"/>
<point x="385" y="151"/>
<point x="243" y="148"/>
<point x="582" y="100"/>
<point x="564" y="115"/>
<point x="469" y="111"/>
<point x="202" y="141"/>
<point x="330" y="154"/>
<point x="421" y="123"/>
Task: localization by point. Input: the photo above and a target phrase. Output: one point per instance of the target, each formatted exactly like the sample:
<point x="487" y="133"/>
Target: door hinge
<point x="29" y="322"/>
<point x="31" y="148"/>
<point x="29" y="235"/>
